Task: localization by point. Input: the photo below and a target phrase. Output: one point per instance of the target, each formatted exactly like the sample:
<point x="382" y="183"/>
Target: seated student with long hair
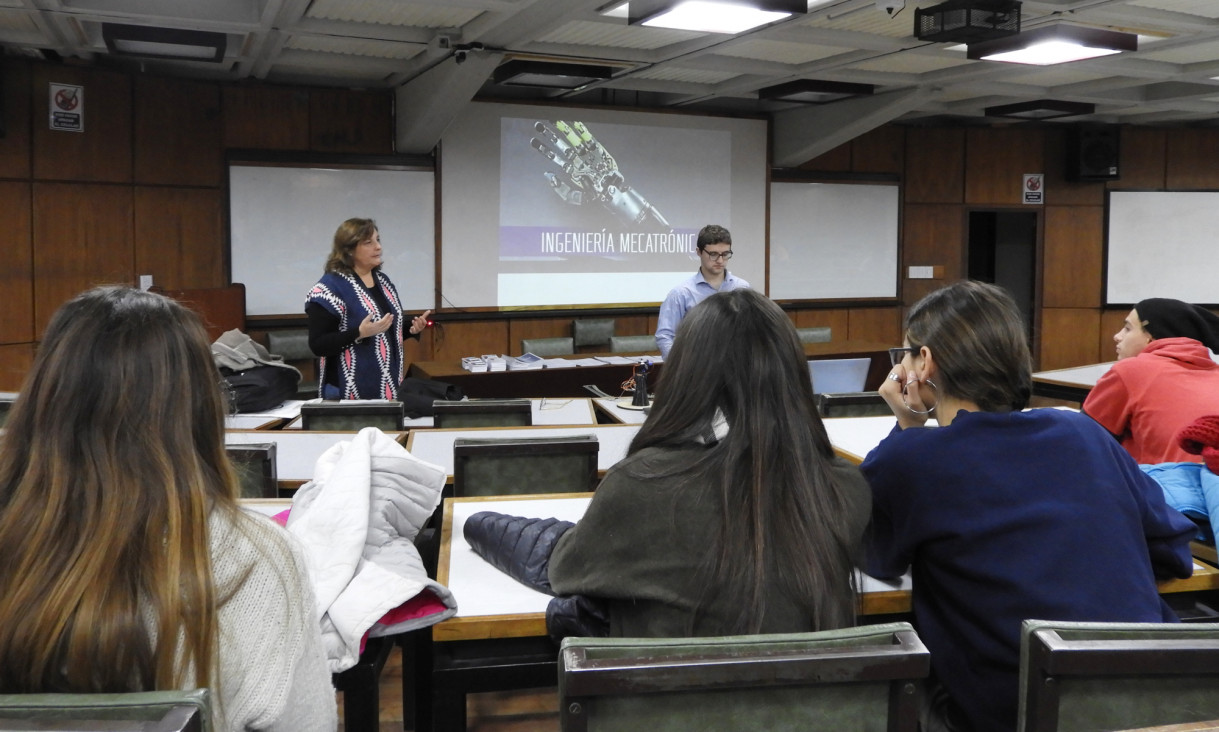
<point x="128" y="565"/>
<point x="1000" y="514"/>
<point x="730" y="513"/>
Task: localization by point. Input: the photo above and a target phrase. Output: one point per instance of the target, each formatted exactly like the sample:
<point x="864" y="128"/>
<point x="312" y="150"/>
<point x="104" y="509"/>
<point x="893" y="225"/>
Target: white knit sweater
<point x="273" y="672"/>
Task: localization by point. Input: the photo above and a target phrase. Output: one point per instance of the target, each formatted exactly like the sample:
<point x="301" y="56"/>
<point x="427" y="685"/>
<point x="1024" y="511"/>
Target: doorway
<point x="1003" y="250"/>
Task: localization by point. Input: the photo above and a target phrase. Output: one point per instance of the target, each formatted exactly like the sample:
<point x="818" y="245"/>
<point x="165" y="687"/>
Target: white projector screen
<point x="282" y="221"/>
<point x="833" y="240"/>
<point x="1161" y="244"/>
<point x="552" y="206"/>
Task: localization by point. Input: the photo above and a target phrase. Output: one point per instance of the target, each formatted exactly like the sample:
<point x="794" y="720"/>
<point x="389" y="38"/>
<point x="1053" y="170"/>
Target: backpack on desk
<point x="260" y="388"/>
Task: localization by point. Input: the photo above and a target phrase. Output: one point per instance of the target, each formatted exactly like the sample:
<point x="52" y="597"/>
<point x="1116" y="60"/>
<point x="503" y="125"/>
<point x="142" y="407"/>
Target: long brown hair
<point x="346" y="238"/>
<point x="738" y="355"/>
<point x="112" y="458"/>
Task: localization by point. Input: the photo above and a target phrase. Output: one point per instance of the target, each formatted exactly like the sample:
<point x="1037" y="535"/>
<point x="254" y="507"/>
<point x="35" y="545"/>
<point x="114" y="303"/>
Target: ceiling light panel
<point x="713" y="17"/>
<point x="392" y="12"/>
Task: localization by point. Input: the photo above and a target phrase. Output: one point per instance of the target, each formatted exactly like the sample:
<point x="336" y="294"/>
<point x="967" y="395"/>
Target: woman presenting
<point x="356" y="319"/>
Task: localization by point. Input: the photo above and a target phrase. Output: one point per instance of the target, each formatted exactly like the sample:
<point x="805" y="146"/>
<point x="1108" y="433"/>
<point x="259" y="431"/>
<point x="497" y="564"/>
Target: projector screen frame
<point x="241" y="157"/>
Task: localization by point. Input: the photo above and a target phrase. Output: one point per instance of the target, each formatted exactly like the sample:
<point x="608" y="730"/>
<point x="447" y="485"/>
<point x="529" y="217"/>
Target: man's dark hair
<point x="713" y="234"/>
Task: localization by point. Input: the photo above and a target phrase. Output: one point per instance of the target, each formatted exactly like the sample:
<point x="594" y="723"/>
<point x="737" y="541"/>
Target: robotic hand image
<point x="589" y="173"/>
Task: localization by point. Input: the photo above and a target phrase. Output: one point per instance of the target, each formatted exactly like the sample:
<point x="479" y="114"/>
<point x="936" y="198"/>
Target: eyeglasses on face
<point x="718" y="255"/>
<point x="897" y="354"/>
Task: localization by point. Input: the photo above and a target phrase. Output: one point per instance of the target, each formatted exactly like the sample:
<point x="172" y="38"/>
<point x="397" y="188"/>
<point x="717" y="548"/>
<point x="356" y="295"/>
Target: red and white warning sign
<point x="1033" y="191"/>
<point x="67" y="107"/>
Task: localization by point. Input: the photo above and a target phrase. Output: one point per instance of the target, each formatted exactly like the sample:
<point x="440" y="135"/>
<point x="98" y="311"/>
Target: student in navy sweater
<point x="1002" y="514"/>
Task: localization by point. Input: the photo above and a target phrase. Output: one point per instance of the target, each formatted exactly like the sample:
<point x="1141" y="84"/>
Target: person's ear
<point x="924" y="364"/>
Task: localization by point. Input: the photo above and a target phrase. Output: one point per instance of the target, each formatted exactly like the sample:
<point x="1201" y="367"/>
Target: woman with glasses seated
<point x="730" y="513"/>
<point x="128" y="564"/>
<point x="1001" y="514"/>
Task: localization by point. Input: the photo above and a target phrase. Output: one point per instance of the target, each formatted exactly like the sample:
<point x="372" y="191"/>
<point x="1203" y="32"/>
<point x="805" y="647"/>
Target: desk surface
<point x="546" y="411"/>
<point x="436" y="446"/>
<point x="490" y="604"/>
<point x="296" y="452"/>
<point x="609" y="378"/>
<point x="614" y="410"/>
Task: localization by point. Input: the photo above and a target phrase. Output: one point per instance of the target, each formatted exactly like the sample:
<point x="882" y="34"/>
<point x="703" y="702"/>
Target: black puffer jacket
<point x="521" y="548"/>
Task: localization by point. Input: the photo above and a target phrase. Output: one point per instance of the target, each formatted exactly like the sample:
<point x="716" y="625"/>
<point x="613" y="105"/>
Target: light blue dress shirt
<point x="683" y="297"/>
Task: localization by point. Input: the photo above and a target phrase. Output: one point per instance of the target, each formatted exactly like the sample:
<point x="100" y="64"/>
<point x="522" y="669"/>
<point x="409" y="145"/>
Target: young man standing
<point x="1165" y="378"/>
<point x="714" y="250"/>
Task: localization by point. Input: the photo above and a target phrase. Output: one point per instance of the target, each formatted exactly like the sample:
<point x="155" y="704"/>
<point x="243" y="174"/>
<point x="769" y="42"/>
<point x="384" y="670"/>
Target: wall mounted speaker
<point x="1093" y="153"/>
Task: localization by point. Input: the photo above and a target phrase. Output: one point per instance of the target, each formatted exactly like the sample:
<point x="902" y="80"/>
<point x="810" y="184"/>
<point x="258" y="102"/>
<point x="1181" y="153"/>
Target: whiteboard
<point x="833" y="240"/>
<point x="282" y="222"/>
<point x="1162" y="244"/>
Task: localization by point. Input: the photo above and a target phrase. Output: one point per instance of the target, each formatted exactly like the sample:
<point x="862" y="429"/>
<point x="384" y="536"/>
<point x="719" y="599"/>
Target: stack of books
<point x="474" y="364"/>
<point x="495" y="363"/>
<point x="526" y="362"/>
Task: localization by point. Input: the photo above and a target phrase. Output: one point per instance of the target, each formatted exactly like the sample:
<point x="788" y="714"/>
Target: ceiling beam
<point x="807" y="132"/>
<point x="425" y="105"/>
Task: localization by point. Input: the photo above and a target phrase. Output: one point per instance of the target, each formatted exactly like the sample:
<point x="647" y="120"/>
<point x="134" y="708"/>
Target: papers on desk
<point x="526" y="362"/>
<point x="624" y="360"/>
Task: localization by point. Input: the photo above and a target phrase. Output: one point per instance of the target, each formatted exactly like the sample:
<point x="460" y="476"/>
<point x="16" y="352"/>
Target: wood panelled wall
<point x="142" y="191"/>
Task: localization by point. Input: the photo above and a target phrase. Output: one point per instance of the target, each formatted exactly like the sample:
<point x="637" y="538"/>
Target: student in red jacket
<point x="1165" y="378"/>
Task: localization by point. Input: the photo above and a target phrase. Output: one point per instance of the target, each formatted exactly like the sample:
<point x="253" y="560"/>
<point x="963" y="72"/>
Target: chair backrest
<point x="865" y="678"/>
<point x="151" y="711"/>
<point x="547" y="347"/>
<point x="5" y="406"/>
<point x="634" y="344"/>
<point x="256" y="471"/>
<point x="838" y="375"/>
<point x="1104" y="676"/>
<point x="853" y="404"/>
<point x="352" y="416"/>
<point x="292" y="344"/>
<point x="483" y="413"/>
<point x="592" y="331"/>
<point x="819" y="334"/>
<point x="521" y="465"/>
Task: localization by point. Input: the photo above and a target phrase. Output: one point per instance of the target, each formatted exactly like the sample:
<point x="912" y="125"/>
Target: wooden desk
<point x="436" y="445"/>
<point x="545" y="411"/>
<point x="569" y="382"/>
<point x="296" y="452"/>
<point x="1071" y="384"/>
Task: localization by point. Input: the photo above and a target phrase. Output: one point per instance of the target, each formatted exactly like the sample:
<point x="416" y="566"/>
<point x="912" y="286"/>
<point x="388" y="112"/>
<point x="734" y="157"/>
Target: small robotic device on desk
<point x="638" y="384"/>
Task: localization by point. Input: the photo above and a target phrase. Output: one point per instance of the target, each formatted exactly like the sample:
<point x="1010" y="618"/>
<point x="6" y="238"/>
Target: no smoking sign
<point x="67" y="107"/>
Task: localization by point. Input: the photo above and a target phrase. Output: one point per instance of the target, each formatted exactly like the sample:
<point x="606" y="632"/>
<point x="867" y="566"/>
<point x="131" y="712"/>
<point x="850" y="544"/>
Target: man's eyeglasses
<point x="718" y="255"/>
<point x="897" y="354"/>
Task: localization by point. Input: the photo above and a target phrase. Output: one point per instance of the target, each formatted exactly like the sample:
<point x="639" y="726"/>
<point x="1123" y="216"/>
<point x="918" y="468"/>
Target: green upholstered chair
<point x="634" y="344"/>
<point x="1107" y="676"/>
<point x="352" y="416"/>
<point x="548" y="347"/>
<point x="483" y="413"/>
<point x="523" y="465"/>
<point x="820" y="334"/>
<point x="592" y="332"/>
<point x="865" y="678"/>
<point x="293" y="345"/>
<point x="256" y="469"/>
<point x="853" y="404"/>
<point x="151" y="711"/>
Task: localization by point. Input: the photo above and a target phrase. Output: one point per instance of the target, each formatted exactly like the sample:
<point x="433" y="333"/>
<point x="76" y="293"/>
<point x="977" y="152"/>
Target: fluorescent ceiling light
<point x="712" y="16"/>
<point x="164" y="43"/>
<point x="814" y="91"/>
<point x="521" y="72"/>
<point x="1054" y="44"/>
<point x="1041" y="109"/>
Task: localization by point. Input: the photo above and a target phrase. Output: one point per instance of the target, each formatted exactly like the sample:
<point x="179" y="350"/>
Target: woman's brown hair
<point x="346" y="238"/>
<point x="110" y="463"/>
<point x="977" y="339"/>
